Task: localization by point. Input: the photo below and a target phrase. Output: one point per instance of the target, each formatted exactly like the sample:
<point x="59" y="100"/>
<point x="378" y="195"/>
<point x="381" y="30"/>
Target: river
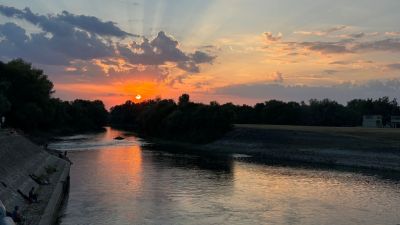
<point x="124" y="183"/>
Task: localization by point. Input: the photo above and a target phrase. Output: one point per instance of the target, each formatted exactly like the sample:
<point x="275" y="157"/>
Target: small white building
<point x="372" y="121"/>
<point x="395" y="121"/>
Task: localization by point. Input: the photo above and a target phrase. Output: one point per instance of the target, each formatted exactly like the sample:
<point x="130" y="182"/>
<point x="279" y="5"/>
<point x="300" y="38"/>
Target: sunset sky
<point x="241" y="51"/>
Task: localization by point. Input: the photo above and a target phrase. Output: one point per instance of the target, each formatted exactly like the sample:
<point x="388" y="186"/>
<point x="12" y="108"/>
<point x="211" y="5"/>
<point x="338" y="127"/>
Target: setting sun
<point x="138" y="97"/>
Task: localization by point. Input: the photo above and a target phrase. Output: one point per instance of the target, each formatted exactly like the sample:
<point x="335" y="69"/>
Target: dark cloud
<point x="93" y="24"/>
<point x="55" y="49"/>
<point x="326" y="47"/>
<point x="336" y="28"/>
<point x="390" y="45"/>
<point x="208" y="47"/>
<point x="351" y="62"/>
<point x="394" y="66"/>
<point x="330" y="72"/>
<point x="202" y="57"/>
<point x="341" y="93"/>
<point x="349" y="43"/>
<point x="11" y="31"/>
<point x="324" y="32"/>
<point x="188" y="66"/>
<point x="163" y="49"/>
<point x="65" y="22"/>
<point x="271" y="38"/>
<point x="351" y="46"/>
<point x="60" y="42"/>
<point x="341" y="62"/>
<point x="357" y="35"/>
<point x="67" y="37"/>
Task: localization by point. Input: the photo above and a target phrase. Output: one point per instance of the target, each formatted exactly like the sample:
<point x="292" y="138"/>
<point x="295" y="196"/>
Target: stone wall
<point x="19" y="158"/>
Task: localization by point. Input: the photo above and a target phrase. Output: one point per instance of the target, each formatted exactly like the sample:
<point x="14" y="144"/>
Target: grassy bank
<point x="367" y="148"/>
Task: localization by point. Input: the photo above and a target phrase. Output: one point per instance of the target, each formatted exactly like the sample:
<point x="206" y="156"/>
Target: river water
<point x="125" y="183"/>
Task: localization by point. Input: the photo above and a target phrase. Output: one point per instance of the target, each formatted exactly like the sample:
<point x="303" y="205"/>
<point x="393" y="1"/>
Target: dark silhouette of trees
<point x="185" y="121"/>
<point x="4" y="103"/>
<point x="196" y="122"/>
<point x="316" y="113"/>
<point x="328" y="113"/>
<point x="381" y="106"/>
<point x="184" y="100"/>
<point x="87" y="114"/>
<point x="26" y="101"/>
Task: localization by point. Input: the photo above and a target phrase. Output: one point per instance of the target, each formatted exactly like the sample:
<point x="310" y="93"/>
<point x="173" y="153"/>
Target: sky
<point x="240" y="51"/>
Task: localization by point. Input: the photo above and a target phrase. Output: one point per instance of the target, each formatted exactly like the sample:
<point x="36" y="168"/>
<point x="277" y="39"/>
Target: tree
<point x="26" y="100"/>
<point x="184" y="99"/>
<point x="185" y="121"/>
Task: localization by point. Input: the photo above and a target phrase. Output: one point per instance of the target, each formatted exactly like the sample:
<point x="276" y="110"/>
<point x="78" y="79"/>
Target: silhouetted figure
<point x="65" y="153"/>
<point x="3" y="122"/>
<point x="32" y="196"/>
<point x="16" y="215"/>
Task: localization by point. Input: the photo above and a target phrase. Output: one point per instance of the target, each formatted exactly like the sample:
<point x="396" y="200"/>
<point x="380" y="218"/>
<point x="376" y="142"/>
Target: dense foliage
<point x="182" y="121"/>
<point x="316" y="113"/>
<point x="27" y="103"/>
<point x="189" y="121"/>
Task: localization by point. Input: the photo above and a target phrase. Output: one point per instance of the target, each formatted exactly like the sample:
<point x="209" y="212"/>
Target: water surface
<point x="121" y="182"/>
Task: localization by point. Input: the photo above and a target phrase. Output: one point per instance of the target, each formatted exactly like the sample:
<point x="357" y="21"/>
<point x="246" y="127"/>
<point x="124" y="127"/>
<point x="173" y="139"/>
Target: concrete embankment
<point x="19" y="159"/>
<point x="352" y="147"/>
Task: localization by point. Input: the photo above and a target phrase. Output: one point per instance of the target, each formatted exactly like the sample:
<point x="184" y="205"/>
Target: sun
<point x="138" y="97"/>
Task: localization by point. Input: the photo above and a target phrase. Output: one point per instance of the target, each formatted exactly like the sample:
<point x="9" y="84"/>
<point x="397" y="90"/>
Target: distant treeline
<point x="314" y="113"/>
<point x="195" y="122"/>
<point x="27" y="103"/>
<point x="182" y="121"/>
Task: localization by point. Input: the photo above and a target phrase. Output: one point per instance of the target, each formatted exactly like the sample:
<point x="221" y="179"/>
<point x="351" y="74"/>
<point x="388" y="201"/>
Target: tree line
<point x="182" y="121"/>
<point x="197" y="122"/>
<point x="316" y="112"/>
<point x="26" y="102"/>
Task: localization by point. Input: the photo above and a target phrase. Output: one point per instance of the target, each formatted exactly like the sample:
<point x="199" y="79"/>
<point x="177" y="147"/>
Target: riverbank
<point x="365" y="148"/>
<point x="20" y="158"/>
<point x="44" y="137"/>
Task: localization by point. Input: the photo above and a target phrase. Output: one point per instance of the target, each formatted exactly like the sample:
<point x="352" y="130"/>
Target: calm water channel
<point x="124" y="183"/>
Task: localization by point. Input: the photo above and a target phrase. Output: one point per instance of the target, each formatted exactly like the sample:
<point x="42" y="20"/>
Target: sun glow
<point x="138" y="97"/>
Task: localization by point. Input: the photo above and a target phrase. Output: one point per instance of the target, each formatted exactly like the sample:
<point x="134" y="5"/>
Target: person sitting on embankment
<point x="16" y="215"/>
<point x="4" y="218"/>
<point x="33" y="197"/>
<point x="3" y="122"/>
